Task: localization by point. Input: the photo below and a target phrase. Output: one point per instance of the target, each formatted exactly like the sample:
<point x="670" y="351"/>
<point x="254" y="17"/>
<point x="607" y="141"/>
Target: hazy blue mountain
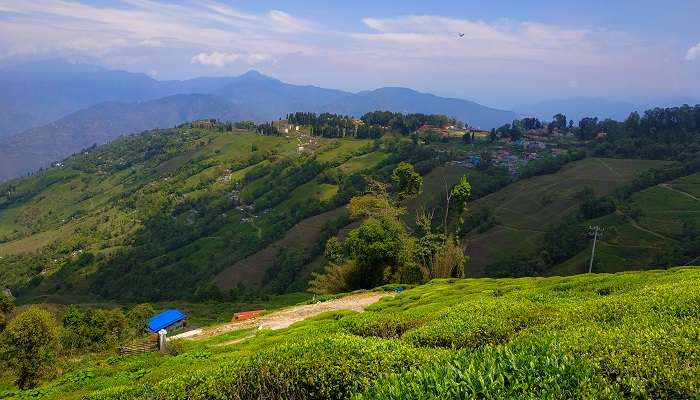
<point x="579" y="108"/>
<point x="272" y="99"/>
<point x="37" y="93"/>
<point x="91" y="104"/>
<point x="410" y="101"/>
<point x="38" y="147"/>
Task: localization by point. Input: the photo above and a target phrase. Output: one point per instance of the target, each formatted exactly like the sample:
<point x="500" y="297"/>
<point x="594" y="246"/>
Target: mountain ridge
<point x="37" y="108"/>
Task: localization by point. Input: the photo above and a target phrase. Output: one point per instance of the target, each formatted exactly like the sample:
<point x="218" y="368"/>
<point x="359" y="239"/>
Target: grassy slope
<point x="664" y="209"/>
<point x="633" y="333"/>
<point x="303" y="235"/>
<point x="75" y="210"/>
<point x="525" y="208"/>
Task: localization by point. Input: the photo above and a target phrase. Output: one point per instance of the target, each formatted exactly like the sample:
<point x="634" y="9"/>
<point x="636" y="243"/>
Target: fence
<point x="151" y="344"/>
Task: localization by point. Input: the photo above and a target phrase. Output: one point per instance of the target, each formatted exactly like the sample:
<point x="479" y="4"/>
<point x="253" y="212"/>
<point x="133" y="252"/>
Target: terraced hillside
<point x="522" y="211"/>
<point x="658" y="221"/>
<point x="597" y="336"/>
<point x="169" y="209"/>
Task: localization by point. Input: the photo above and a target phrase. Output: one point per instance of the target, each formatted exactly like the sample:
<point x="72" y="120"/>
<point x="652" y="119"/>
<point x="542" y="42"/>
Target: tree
<point x="447" y="262"/>
<point x="460" y="194"/>
<point x="531" y="123"/>
<point x="379" y="247"/>
<point x="7" y="305"/>
<point x="333" y="250"/>
<point x="588" y="128"/>
<point x="559" y="121"/>
<point x="29" y="345"/>
<point x="407" y="182"/>
<point x="138" y="318"/>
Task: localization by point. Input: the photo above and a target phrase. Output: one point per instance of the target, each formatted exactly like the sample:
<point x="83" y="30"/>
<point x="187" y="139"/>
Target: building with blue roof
<point x="170" y="319"/>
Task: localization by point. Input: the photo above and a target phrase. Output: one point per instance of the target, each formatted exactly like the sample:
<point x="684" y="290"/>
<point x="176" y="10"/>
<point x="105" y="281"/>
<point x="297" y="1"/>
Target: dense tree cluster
<point x="372" y="125"/>
<point x="381" y="249"/>
<point x="661" y="133"/>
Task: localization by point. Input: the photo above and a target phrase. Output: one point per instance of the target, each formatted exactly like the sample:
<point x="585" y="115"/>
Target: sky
<point x="511" y="52"/>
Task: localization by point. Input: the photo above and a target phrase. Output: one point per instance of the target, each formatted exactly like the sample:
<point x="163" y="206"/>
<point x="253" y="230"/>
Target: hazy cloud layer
<point x="211" y="37"/>
<point x="693" y="53"/>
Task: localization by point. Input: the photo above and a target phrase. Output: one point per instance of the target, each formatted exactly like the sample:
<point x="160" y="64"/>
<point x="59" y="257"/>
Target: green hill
<point x="653" y="231"/>
<point x="171" y="208"/>
<point x="602" y="336"/>
<point x="520" y="213"/>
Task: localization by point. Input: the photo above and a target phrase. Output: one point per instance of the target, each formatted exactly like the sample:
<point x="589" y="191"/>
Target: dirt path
<point x="669" y="187"/>
<point x="283" y="318"/>
<point x="637" y="226"/>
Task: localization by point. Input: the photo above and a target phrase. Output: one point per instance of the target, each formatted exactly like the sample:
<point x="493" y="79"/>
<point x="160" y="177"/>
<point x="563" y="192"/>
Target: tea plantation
<point x="596" y="336"/>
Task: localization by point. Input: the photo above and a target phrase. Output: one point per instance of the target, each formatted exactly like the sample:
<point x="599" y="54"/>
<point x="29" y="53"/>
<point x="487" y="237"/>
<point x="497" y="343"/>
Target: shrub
<point x="326" y="368"/>
<point x="29" y="345"/>
<point x="384" y="325"/>
<point x="498" y="373"/>
<point x="472" y="325"/>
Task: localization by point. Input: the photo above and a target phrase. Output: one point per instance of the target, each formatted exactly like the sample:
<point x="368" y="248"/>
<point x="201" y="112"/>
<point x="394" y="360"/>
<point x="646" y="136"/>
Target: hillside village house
<point x="171" y="320"/>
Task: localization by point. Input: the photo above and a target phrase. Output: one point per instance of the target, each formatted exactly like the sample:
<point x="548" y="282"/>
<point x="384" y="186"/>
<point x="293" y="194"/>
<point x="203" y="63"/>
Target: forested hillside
<point x="170" y="208"/>
<point x="210" y="210"/>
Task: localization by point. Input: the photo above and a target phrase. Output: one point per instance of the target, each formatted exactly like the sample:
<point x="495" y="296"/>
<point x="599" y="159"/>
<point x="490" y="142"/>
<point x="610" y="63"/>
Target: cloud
<point x="151" y="43"/>
<point x="177" y="38"/>
<point x="50" y="26"/>
<point x="258" y="58"/>
<point x="215" y="59"/>
<point x="289" y="23"/>
<point x="693" y="53"/>
<point x="434" y="36"/>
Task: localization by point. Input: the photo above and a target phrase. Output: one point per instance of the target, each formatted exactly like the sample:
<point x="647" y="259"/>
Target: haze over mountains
<point x="51" y="109"/>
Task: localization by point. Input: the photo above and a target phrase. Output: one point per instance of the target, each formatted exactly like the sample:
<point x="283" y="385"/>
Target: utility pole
<point x="594" y="230"/>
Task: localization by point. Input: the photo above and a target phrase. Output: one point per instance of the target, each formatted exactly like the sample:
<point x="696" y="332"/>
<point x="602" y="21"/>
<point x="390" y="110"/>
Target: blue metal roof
<point x="165" y="319"/>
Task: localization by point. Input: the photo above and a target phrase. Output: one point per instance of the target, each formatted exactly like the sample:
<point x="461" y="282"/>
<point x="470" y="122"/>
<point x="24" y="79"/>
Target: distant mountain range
<point x="102" y="123"/>
<point x="51" y="109"/>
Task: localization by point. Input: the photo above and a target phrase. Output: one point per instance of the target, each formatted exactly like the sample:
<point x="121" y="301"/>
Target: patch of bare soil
<point x="283" y="318"/>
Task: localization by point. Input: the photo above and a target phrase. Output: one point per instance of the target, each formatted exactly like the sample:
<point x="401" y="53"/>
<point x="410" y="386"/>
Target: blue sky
<point x="512" y="52"/>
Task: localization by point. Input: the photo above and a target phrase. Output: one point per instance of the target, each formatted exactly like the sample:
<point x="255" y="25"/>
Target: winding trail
<point x="669" y="187"/>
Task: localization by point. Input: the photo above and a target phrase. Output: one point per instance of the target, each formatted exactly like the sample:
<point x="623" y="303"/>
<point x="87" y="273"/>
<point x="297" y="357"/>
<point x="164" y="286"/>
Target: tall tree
<point x="407" y="182"/>
<point x="559" y="121"/>
<point x="29" y="345"/>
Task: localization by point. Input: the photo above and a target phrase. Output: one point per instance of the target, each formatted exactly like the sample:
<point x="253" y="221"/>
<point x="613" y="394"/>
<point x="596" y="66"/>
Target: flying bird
<point x="461" y="35"/>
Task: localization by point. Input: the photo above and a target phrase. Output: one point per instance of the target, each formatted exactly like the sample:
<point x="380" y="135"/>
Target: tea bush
<point x="523" y="372"/>
<point x="472" y="325"/>
<point x="598" y="336"/>
<point x="321" y="368"/>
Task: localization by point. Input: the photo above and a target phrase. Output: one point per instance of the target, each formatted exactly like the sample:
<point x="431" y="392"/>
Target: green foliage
<point x="407" y="182"/>
<point x="524" y="372"/>
<point x="308" y="369"/>
<point x="626" y="335"/>
<point x="7" y="305"/>
<point x="333" y="250"/>
<point x="29" y="345"/>
<point x="92" y="329"/>
<point x="661" y="133"/>
<point x="138" y="316"/>
<point x="379" y="247"/>
<point x="549" y="165"/>
<point x="285" y="270"/>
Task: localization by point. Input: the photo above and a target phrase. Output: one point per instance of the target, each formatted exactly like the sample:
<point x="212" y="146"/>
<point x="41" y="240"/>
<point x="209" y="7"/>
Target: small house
<point x="171" y="320"/>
